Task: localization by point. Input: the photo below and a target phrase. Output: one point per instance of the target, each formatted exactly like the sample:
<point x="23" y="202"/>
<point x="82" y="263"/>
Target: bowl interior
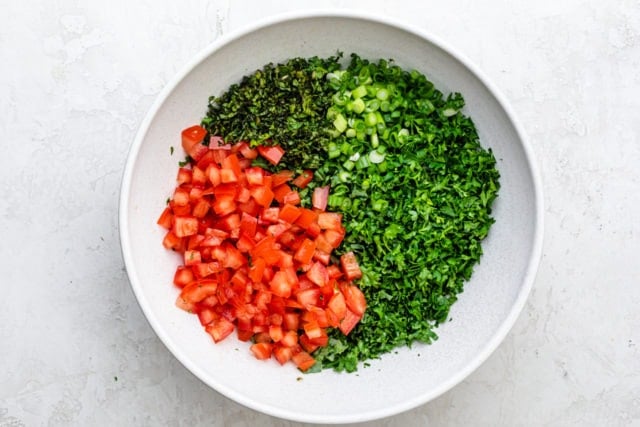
<point x="397" y="381"/>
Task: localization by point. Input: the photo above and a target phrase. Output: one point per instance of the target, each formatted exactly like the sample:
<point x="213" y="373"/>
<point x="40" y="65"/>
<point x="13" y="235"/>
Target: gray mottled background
<point x="76" y="79"/>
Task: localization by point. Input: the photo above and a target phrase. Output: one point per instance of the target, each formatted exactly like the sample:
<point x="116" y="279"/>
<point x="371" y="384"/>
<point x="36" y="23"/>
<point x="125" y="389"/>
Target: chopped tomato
<point x="183" y="276"/>
<point x="254" y="259"/>
<point x="262" y="350"/>
<point x="192" y="142"/>
<point x="349" y="322"/>
<point x="271" y="154"/>
<point x="350" y="266"/>
<point x="220" y="329"/>
<point x="166" y="218"/>
<point x="354" y="298"/>
<point x="303" y="360"/>
<point x="302" y="180"/>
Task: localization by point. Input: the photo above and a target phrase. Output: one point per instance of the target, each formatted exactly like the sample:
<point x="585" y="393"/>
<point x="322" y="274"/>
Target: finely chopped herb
<point x="406" y="170"/>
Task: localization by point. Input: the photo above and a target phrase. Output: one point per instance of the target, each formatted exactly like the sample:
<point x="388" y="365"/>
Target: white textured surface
<point x="75" y="83"/>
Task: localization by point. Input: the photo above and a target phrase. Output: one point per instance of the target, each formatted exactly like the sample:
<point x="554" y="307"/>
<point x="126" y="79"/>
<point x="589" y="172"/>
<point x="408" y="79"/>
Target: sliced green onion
<point x="376" y="158"/>
<point x="370" y="119"/>
<point x="357" y="105"/>
<point x="382" y="94"/>
<point x="359" y="92"/>
<point x="340" y="123"/>
<point x="374" y="141"/>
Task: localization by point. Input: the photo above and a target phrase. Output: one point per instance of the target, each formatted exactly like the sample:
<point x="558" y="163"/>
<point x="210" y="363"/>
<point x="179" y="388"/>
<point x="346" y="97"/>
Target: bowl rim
<point x="490" y="346"/>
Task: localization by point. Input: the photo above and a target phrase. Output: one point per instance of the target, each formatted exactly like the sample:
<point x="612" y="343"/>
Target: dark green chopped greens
<point x="282" y="104"/>
<point x="406" y="169"/>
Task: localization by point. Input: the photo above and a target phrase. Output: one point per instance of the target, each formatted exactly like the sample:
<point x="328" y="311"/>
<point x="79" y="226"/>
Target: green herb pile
<point x="406" y="169"/>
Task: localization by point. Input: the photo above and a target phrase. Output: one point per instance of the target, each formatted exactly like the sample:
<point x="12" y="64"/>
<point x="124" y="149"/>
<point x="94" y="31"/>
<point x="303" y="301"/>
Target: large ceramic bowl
<point x="400" y="380"/>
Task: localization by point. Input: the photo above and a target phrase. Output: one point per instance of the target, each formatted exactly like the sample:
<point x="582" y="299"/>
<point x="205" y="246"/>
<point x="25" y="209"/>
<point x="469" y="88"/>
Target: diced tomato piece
<point x="322" y="339"/>
<point x="207" y="159"/>
<point x="289" y="213"/>
<point x="213" y="174"/>
<point x="318" y="274"/>
<point x="220" y="153"/>
<point x="313" y="230"/>
<point x="302" y="180"/>
<point x="289" y="339"/>
<point x="281" y="177"/>
<point x="322" y="244"/>
<point x="206" y="316"/>
<point x="234" y="258"/>
<point x="338" y="305"/>
<point x="195" y="241"/>
<point x="213" y="237"/>
<point x="334" y="271"/>
<point x="192" y="257"/>
<point x="262" y="350"/>
<point x="282" y="354"/>
<point x="280" y="191"/>
<point x="303" y="360"/>
<point x="308" y="297"/>
<point x="180" y="197"/>
<point x="244" y="195"/>
<point x="306" y="218"/>
<point x="228" y="176"/>
<point x="245" y="243"/>
<point x="349" y="322"/>
<point x="257" y="270"/>
<point x="267" y="249"/>
<point x="271" y="154"/>
<point x="192" y="138"/>
<point x="184" y="176"/>
<point x="354" y="298"/>
<point x="219" y="329"/>
<point x="320" y="197"/>
<point x="276" y="333"/>
<point x="250" y="207"/>
<point x="231" y="162"/>
<point x="245" y="150"/>
<point x="166" y="218"/>
<point x="197" y="291"/>
<point x="224" y="205"/>
<point x="262" y="195"/>
<point x="254" y="175"/>
<point x="292" y="198"/>
<point x="291" y="321"/>
<point x="270" y="215"/>
<point x="304" y="254"/>
<point x="280" y="285"/>
<point x="330" y="220"/>
<point x="200" y="209"/>
<point x="307" y="345"/>
<point x="226" y="190"/>
<point x="171" y="241"/>
<point x="334" y="237"/>
<point x="183" y="276"/>
<point x="204" y="269"/>
<point x="350" y="266"/>
<point x="198" y="176"/>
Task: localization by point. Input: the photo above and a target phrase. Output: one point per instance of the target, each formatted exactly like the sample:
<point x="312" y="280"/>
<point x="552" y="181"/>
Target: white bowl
<point x="400" y="380"/>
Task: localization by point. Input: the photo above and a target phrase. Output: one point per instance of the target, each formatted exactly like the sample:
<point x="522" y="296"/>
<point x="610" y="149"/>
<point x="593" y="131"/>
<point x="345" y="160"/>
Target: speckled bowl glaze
<point x="401" y="380"/>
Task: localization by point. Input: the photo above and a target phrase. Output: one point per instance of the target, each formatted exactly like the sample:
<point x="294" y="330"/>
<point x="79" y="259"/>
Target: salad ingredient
<point x="254" y="260"/>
